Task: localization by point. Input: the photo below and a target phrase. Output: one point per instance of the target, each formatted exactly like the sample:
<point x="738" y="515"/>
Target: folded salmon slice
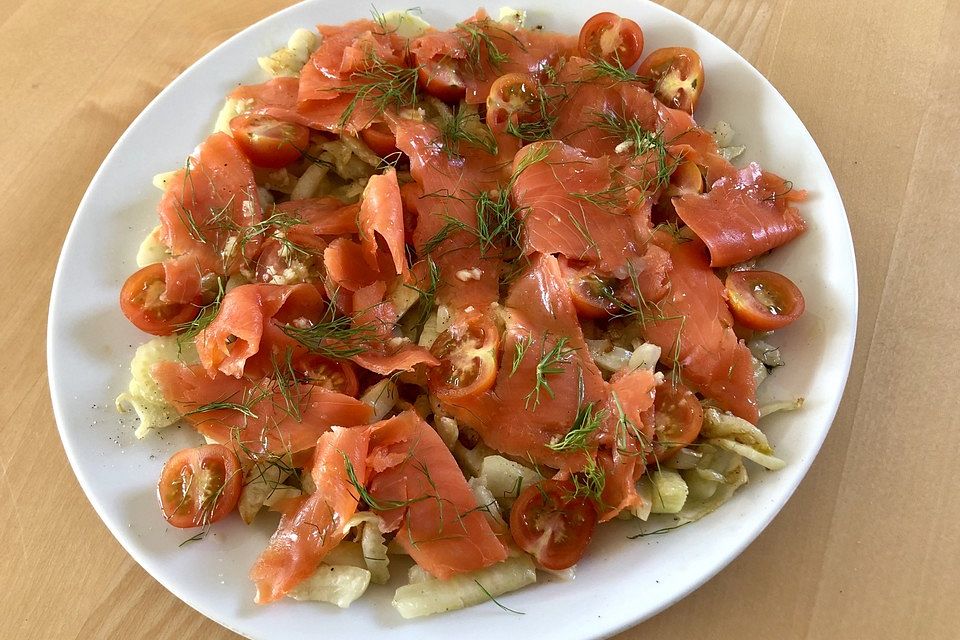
<point x="381" y="214"/>
<point x="421" y="492"/>
<point x="308" y="533"/>
<point x="386" y="350"/>
<point x="320" y="217"/>
<point x="275" y="420"/>
<point x="743" y="217"/>
<point x="451" y="184"/>
<point x="694" y="329"/>
<point x="205" y="217"/>
<point x="567" y="208"/>
<point x="468" y="48"/>
<point x="518" y="416"/>
<point x="246" y="336"/>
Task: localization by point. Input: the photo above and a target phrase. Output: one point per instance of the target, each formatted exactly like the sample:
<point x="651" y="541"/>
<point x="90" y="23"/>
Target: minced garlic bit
<point x="466" y="275"/>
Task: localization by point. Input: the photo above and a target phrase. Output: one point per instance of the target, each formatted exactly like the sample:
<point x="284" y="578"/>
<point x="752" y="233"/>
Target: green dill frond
<point x="603" y="69"/>
<point x="464" y="126"/>
<point x="240" y="407"/>
<point x="590" y="482"/>
<point x="551" y="363"/>
<point x="383" y="85"/>
<point x="494" y="600"/>
<point x="586" y="423"/>
<point x="190" y="330"/>
<point x="541" y="127"/>
<point x="657" y="532"/>
<point x="773" y="197"/>
<point x="334" y="335"/>
<point x="529" y="159"/>
<point x="426" y="295"/>
<point x="364" y="495"/>
<point x="519" y="350"/>
<point x="478" y="39"/>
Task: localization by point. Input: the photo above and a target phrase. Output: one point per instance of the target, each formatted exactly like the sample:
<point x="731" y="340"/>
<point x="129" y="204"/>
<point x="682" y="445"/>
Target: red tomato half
<point x="763" y="300"/>
<point x="268" y="142"/>
<point x="514" y="98"/>
<point x="141" y="300"/>
<point x="607" y="36"/>
<point x="549" y="523"/>
<point x="675" y="76"/>
<point x="677" y="420"/>
<point x="468" y="358"/>
<point x="330" y="374"/>
<point x="587" y="291"/>
<point x="200" y="486"/>
<point x="380" y="139"/>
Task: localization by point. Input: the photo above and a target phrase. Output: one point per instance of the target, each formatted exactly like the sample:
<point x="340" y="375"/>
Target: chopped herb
<point x="587" y="421"/>
<point x="551" y="363"/>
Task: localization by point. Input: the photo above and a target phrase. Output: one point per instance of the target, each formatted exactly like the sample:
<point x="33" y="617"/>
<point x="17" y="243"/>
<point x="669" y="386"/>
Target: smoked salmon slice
<point x="206" y="214"/>
<point x="568" y="207"/>
<point x="246" y="336"/>
<point x="381" y="214"/>
<point x="518" y="416"/>
<point x="308" y="534"/>
<point x="694" y="329"/>
<point x="420" y="490"/>
<point x="258" y="417"/>
<point x="743" y="217"/>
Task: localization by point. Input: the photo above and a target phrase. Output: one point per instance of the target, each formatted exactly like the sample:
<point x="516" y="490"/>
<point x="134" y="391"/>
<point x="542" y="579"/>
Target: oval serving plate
<point x="90" y="345"/>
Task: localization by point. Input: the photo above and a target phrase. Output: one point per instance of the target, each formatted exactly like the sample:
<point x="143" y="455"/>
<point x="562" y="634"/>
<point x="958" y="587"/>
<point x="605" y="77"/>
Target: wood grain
<point x="868" y="547"/>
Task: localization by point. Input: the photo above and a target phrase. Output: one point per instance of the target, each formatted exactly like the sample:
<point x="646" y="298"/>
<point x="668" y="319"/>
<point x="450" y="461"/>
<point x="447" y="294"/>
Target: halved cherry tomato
<point x="514" y="98"/>
<point x="468" y="358"/>
<point x="550" y="523"/>
<point x="607" y="36"/>
<point x="268" y="142"/>
<point x="675" y="76"/>
<point x="141" y="300"/>
<point x="588" y="290"/>
<point x="200" y="486"/>
<point x="441" y="79"/>
<point x="329" y="374"/>
<point x="763" y="300"/>
<point x="380" y="139"/>
<point x="677" y="419"/>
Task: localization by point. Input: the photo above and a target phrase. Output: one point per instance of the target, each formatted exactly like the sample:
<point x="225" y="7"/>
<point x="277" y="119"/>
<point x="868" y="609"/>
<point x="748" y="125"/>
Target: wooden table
<point x="869" y="545"/>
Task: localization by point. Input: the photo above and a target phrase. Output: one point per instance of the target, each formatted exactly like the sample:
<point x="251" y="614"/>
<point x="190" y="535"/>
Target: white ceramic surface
<point x="622" y="581"/>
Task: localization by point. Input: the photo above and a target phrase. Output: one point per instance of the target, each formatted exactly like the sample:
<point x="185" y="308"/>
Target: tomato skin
<point x="550" y="523"/>
<point x="607" y="36"/>
<point x="678" y="418"/>
<point x="200" y="486"/>
<point x="442" y="81"/>
<point x="339" y="376"/>
<point x="142" y="304"/>
<point x="763" y="300"/>
<point x="585" y="291"/>
<point x="675" y="76"/>
<point x="268" y="142"/>
<point x="468" y="359"/>
<point x="513" y="98"/>
<point x="380" y="139"/>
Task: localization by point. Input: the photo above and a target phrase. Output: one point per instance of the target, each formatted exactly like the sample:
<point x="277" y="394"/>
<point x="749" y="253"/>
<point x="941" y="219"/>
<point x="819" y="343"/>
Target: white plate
<point x="621" y="581"/>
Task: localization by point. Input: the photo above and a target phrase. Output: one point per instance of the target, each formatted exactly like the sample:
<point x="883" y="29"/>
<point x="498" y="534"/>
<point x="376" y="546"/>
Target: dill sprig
<point x="541" y="126"/>
<point x="477" y="39"/>
<point x="383" y="84"/>
<point x="657" y="532"/>
<point x="551" y="363"/>
<point x="364" y="495"/>
<point x="464" y="126"/>
<point x="494" y="600"/>
<point x="519" y="351"/>
<point x="614" y="70"/>
<point x="590" y="482"/>
<point x="335" y="335"/>
<point x="640" y="141"/>
<point x="586" y="423"/>
<point x="426" y="295"/>
<point x="208" y="506"/>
